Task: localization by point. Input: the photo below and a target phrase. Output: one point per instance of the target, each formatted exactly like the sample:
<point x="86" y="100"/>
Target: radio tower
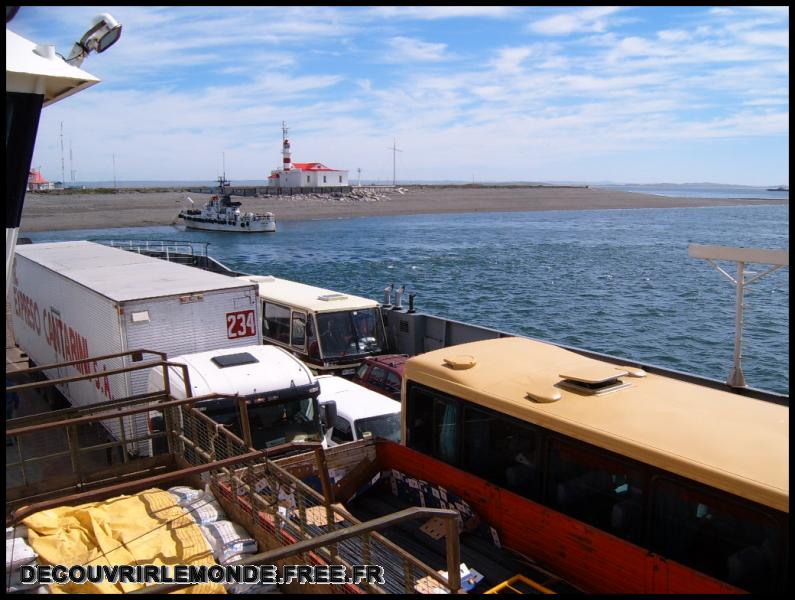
<point x="71" y="164"/>
<point x="286" y="163"/>
<point x="63" y="176"/>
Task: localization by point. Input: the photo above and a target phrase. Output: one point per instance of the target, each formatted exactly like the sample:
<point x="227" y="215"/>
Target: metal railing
<point x="172" y="250"/>
<point x="361" y="529"/>
<point x="55" y="462"/>
<point x="84" y="446"/>
<point x="189" y="253"/>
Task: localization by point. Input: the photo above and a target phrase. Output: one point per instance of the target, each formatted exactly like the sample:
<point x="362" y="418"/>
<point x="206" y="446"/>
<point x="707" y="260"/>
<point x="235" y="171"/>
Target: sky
<point x="671" y="94"/>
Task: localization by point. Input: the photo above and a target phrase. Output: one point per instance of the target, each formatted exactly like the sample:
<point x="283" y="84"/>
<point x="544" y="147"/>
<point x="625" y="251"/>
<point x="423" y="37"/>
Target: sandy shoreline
<point x="46" y="212"/>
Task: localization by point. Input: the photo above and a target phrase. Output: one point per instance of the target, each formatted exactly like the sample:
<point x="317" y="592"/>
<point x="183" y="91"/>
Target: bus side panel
<point x="584" y="556"/>
<point x="590" y="559"/>
<point x="682" y="580"/>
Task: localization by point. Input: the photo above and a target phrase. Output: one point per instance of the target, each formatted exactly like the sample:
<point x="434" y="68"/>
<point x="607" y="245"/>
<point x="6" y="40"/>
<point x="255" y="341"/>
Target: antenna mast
<point x="71" y="164"/>
<point x="63" y="177"/>
<point x="394" y="149"/>
<point x="777" y="258"/>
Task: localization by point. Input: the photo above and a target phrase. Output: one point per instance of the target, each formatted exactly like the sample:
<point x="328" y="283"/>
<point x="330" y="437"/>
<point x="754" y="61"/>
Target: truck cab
<point x="280" y="391"/>
<point x="358" y="412"/>
<point x="330" y="331"/>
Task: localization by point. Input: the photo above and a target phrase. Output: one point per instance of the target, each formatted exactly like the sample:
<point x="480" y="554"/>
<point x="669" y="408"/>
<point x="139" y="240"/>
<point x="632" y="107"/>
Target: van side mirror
<point x="328" y="413"/>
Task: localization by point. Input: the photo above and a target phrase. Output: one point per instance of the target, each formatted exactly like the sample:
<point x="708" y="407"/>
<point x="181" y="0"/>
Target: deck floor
<point x="494" y="563"/>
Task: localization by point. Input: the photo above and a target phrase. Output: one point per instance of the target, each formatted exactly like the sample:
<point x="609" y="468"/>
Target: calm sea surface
<point x="614" y="281"/>
<point x="701" y="191"/>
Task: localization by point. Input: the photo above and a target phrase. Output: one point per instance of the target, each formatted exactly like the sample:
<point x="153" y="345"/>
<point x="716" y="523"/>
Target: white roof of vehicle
<point x="122" y="275"/>
<point x="305" y="296"/>
<point x="354" y="401"/>
<point x="275" y="370"/>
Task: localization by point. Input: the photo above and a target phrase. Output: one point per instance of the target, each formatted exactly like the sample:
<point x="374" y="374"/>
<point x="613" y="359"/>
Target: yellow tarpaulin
<point x="148" y="528"/>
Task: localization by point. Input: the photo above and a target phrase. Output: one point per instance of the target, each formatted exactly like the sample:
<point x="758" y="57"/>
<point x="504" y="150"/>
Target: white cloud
<point x="443" y="12"/>
<point x="586" y="20"/>
<point x="673" y="35"/>
<point x="168" y="106"/>
<point x="406" y="49"/>
<point x="767" y="38"/>
<point x="509" y="60"/>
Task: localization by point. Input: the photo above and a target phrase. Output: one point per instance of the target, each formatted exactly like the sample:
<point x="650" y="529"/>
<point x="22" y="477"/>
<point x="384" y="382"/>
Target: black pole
<point x="22" y="124"/>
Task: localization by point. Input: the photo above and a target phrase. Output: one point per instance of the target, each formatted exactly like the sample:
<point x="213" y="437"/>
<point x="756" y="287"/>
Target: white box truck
<point x="280" y="392"/>
<point x="285" y="402"/>
<point x="75" y="300"/>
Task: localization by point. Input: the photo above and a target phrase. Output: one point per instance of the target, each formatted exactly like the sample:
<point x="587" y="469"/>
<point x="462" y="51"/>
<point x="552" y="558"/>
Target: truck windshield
<point x="275" y="423"/>
<point x="385" y="426"/>
<point x="351" y="332"/>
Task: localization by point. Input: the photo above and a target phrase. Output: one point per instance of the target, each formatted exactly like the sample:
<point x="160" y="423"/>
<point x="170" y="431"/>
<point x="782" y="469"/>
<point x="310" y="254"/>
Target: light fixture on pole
<point x="104" y="32"/>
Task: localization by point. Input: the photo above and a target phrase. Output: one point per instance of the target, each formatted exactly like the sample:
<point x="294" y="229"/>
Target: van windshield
<point x="385" y="426"/>
<point x="351" y="332"/>
<point x="275" y="423"/>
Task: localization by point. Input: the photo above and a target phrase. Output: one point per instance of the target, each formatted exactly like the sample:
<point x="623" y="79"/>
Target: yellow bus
<point x="330" y="331"/>
<point x="618" y="478"/>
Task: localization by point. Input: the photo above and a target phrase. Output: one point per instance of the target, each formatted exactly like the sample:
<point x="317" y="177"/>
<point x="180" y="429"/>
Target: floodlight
<point x="103" y="33"/>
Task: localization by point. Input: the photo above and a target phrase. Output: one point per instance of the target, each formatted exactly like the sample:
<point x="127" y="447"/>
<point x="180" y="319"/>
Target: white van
<point x="359" y="412"/>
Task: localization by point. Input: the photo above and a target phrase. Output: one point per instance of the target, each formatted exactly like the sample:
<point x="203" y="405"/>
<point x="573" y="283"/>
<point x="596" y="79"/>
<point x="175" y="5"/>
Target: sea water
<point x="619" y="282"/>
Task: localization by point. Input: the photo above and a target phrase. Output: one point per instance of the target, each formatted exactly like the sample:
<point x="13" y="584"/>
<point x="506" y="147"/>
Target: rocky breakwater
<point x="354" y="196"/>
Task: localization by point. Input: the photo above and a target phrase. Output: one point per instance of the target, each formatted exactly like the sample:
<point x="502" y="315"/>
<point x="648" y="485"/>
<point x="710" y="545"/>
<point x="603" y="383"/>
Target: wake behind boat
<point x="221" y="214"/>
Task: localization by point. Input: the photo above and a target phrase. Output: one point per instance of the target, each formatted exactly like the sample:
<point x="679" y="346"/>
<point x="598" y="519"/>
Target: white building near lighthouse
<point x="304" y="175"/>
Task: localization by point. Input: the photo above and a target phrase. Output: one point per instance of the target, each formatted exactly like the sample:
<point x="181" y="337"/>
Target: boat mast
<point x="742" y="256"/>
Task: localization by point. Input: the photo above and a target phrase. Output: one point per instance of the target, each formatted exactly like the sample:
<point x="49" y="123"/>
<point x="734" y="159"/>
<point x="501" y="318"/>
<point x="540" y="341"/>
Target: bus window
<point x="500" y="450"/>
<point x="433" y="425"/>
<point x="276" y="322"/>
<point x="419" y="420"/>
<point x="716" y="535"/>
<point x="311" y="340"/>
<point x="298" y="331"/>
<point x="350" y="333"/>
<point x="596" y="489"/>
<point x="446" y="417"/>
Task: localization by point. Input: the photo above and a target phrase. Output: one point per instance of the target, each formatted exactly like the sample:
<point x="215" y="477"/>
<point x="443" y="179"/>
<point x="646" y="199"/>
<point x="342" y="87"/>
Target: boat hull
<point x="255" y="227"/>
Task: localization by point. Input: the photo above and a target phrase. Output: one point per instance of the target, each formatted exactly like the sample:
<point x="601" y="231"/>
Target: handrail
<point x="21" y="372"/>
<point x="113" y="415"/>
<point x="269" y="557"/>
<point x="24" y="511"/>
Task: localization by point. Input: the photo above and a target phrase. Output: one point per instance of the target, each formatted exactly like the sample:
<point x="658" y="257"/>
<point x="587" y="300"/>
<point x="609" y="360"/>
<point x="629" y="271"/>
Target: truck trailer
<point x="75" y="300"/>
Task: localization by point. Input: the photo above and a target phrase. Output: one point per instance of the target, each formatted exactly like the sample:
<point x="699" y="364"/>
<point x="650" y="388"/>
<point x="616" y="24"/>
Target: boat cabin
<point x="330" y="331"/>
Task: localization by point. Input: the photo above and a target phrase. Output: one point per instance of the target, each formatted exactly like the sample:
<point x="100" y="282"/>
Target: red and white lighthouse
<point x="286" y="163"/>
<point x="304" y="175"/>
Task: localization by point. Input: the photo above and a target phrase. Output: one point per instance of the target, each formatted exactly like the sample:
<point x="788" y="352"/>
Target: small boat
<point x="781" y="188"/>
<point x="221" y="214"/>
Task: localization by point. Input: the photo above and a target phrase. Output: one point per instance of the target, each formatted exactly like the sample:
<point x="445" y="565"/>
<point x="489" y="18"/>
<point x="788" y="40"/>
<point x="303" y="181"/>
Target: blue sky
<point x="624" y="94"/>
